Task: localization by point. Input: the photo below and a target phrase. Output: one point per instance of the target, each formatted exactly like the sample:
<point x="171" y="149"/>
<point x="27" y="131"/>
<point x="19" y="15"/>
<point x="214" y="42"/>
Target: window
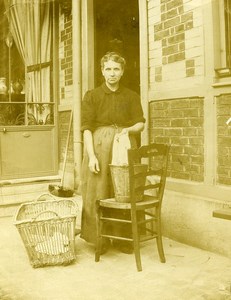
<point x="27" y="32"/>
<point x="222" y="28"/>
<point x="227" y="11"/>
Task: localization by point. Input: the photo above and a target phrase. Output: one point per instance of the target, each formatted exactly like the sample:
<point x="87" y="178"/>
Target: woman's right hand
<point x="94" y="164"/>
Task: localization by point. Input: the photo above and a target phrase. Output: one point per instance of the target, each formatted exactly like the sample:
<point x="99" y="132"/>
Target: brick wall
<point x="171" y="30"/>
<point x="179" y="122"/>
<point x="65" y="54"/>
<point x="223" y="140"/>
<point x="176" y="43"/>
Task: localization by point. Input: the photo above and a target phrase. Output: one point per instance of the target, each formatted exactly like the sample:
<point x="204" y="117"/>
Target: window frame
<point x="222" y="38"/>
<point x="227" y="20"/>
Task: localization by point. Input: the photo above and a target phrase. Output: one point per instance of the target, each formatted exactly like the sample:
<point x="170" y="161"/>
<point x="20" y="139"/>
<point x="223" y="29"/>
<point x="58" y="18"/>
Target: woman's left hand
<point x="138" y="127"/>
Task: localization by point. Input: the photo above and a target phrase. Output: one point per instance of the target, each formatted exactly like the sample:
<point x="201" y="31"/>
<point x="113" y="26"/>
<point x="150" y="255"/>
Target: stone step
<point x="15" y="192"/>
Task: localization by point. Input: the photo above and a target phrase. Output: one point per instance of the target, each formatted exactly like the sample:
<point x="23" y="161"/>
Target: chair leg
<point x="160" y="249"/>
<point x="98" y="232"/>
<point x="160" y="242"/>
<point x="137" y="255"/>
<point x="136" y="245"/>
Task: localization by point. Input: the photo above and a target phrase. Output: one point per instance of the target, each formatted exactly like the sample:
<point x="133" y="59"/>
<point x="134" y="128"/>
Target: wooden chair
<point x="146" y="193"/>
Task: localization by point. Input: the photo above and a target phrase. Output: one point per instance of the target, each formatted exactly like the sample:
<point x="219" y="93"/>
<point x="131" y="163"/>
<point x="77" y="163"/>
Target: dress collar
<point x="108" y="91"/>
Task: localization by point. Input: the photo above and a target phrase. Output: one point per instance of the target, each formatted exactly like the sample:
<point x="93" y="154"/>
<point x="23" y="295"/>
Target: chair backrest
<point x="148" y="171"/>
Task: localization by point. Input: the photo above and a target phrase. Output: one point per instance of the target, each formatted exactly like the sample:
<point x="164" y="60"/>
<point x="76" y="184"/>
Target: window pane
<point x="26" y="59"/>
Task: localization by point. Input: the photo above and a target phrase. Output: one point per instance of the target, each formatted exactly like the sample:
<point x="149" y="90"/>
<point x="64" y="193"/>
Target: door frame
<point x="88" y="46"/>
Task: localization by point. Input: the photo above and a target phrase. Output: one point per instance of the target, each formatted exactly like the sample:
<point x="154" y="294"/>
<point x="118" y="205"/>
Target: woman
<point x="106" y="110"/>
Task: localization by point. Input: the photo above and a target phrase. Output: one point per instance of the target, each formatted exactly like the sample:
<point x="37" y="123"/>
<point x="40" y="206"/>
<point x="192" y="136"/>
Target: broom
<point x="60" y="190"/>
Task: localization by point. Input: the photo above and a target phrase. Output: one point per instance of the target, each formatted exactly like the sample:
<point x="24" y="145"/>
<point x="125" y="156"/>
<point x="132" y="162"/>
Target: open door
<point x="117" y="29"/>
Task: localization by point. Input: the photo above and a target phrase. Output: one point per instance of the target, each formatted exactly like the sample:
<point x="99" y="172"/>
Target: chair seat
<point x="148" y="201"/>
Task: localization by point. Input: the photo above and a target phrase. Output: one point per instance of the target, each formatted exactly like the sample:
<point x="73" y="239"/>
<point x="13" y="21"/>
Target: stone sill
<point x="216" y="193"/>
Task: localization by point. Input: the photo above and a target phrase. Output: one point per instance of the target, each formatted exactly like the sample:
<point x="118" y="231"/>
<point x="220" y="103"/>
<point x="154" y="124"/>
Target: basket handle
<point x="44" y="212"/>
<point x="45" y="194"/>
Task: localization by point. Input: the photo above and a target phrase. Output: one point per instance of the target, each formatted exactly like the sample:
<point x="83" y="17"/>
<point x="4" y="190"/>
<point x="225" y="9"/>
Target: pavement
<point x="189" y="273"/>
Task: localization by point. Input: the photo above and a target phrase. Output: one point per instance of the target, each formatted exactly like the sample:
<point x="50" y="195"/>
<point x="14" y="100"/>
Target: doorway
<point x="117" y="29"/>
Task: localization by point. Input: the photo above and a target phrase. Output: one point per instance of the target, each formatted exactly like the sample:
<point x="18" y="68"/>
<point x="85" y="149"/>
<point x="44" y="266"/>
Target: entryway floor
<point x="189" y="273"/>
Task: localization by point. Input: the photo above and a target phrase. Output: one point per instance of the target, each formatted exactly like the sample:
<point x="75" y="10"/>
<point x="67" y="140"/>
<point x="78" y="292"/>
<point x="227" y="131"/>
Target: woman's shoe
<point x="105" y="246"/>
<point x="124" y="247"/>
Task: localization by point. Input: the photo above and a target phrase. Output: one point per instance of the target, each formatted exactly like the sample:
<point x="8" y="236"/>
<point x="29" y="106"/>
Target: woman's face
<point x="112" y="72"/>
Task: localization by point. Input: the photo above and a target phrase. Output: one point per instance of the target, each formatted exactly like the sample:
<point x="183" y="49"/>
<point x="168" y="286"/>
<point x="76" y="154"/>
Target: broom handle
<point x="66" y="150"/>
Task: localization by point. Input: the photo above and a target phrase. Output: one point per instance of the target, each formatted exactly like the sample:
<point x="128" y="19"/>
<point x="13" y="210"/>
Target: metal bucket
<point x="120" y="180"/>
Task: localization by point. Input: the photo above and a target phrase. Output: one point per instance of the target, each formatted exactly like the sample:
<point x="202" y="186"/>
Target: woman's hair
<point x="114" y="56"/>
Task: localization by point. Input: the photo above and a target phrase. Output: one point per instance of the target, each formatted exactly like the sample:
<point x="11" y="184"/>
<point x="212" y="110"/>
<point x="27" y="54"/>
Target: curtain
<point x="31" y="26"/>
<point x="38" y="25"/>
<point x="17" y="25"/>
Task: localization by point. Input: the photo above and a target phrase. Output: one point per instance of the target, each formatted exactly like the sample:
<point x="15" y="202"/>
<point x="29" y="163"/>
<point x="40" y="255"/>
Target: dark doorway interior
<point x="117" y="29"/>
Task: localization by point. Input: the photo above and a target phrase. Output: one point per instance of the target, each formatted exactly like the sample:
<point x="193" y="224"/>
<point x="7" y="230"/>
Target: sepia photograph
<point x="115" y="149"/>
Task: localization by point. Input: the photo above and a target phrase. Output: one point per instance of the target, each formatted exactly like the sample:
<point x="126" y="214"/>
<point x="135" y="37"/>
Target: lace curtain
<point x="31" y="26"/>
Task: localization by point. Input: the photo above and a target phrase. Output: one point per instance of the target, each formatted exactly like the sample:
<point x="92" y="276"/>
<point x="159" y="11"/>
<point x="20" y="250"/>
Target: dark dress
<point x="104" y="113"/>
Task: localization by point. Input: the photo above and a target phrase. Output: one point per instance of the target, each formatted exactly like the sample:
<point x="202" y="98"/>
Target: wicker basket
<point x="120" y="180"/>
<point x="47" y="229"/>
